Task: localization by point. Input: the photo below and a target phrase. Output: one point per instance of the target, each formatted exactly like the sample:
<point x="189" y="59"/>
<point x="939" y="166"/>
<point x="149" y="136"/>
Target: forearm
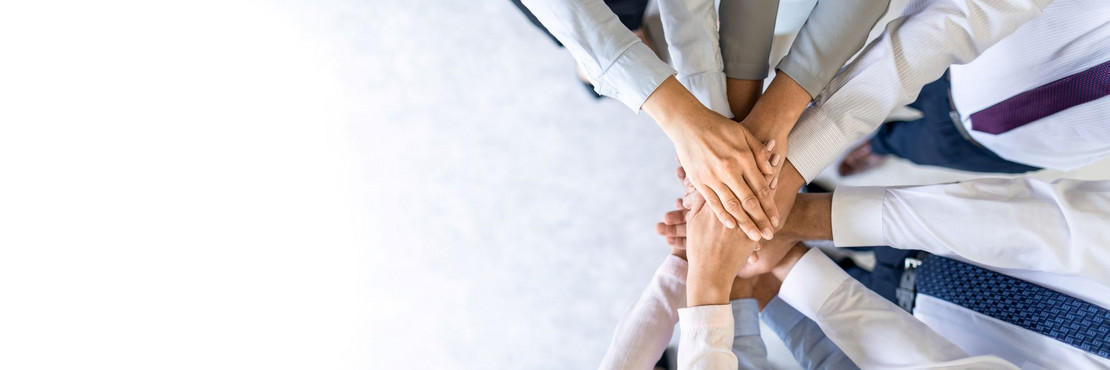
<point x="646" y="328"/>
<point x="809" y="345"/>
<point x="811" y="218"/>
<point x="776" y="112"/>
<point x="670" y="104"/>
<point x="833" y="33"/>
<point x="742" y="96"/>
<point x="615" y="60"/>
<point x="1057" y="227"/>
<point x="915" y="49"/>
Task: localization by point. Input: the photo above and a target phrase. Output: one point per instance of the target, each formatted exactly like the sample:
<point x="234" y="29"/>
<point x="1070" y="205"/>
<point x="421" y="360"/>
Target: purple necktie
<point x="1044" y="100"/>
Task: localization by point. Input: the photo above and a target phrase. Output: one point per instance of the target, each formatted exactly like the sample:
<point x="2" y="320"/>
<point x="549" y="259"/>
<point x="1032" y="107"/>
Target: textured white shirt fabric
<point x="872" y="332"/>
<point x="915" y="49"/>
<point x="1070" y="37"/>
<point x="1050" y="234"/>
<point x="618" y="64"/>
<point x="711" y="335"/>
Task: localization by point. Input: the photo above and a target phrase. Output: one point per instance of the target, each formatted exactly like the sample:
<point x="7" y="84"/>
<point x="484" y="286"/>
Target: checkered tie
<point x="1030" y="306"/>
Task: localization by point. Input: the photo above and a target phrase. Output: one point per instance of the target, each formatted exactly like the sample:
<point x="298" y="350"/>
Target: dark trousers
<point x="630" y="13"/>
<point x="884" y="278"/>
<point x="935" y="140"/>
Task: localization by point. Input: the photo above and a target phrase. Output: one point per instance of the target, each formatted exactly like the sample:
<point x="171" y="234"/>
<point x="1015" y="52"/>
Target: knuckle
<point x="733" y="205"/>
<point x="750" y="201"/>
<point x="765" y="191"/>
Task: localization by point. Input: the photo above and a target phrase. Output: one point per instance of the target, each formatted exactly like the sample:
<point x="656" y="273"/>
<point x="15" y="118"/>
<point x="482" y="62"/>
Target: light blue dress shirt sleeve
<point x="809" y="345"/>
<point x="615" y="60"/>
<point x="747" y="344"/>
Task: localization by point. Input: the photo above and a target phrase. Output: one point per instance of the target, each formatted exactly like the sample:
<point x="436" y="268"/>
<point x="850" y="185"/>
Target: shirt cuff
<point x="633" y="76"/>
<point x="857" y="216"/>
<point x="815" y="142"/>
<point x="808" y="80"/>
<point x="706" y="317"/>
<point x="780" y="317"/>
<point x="709" y="88"/>
<point x="745" y="317"/>
<point x="674" y="267"/>
<point x="810" y="283"/>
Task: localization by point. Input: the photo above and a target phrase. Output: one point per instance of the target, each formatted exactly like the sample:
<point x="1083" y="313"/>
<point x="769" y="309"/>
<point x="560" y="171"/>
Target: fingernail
<point x="775" y="221"/>
<point x="771" y="145"/>
<point x="776" y="159"/>
<point x="752" y="235"/>
<point x="775" y="183"/>
<point x="753" y="258"/>
<point x="768" y="234"/>
<point x="730" y="224"/>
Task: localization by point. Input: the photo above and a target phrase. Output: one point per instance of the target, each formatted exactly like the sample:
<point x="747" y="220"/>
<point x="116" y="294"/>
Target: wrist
<point x="788" y="261"/>
<point x="670" y="105"/>
<point x="701" y="292"/>
<point x="813" y="219"/>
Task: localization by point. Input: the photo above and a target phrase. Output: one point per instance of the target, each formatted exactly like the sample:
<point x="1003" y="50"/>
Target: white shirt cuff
<point x="633" y="76"/>
<point x="815" y="142"/>
<point x="810" y="283"/>
<point x="674" y="267"/>
<point x="857" y="216"/>
<point x="706" y="317"/>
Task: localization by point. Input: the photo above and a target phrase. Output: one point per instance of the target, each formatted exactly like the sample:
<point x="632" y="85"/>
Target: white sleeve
<point x="706" y="338"/>
<point x="1023" y="223"/>
<point x="690" y="27"/>
<point x="615" y="60"/>
<point x="871" y="331"/>
<point x="915" y="49"/>
<point x="646" y="328"/>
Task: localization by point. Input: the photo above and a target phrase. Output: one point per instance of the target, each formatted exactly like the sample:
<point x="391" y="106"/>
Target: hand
<point x="723" y="161"/>
<point x="765" y="288"/>
<point x="715" y="254"/>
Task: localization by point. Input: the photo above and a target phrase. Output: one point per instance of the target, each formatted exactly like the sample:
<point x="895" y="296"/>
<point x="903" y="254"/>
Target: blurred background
<point x="324" y="184"/>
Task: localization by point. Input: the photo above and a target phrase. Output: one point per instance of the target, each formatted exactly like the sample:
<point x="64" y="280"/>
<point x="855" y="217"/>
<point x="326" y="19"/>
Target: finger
<point x="671" y="230"/>
<point x="764" y="157"/>
<point x="753" y="258"/>
<point x="675" y="217"/>
<point x="762" y="208"/>
<point x="678" y="203"/>
<point x="692" y="200"/>
<point x="680" y="173"/>
<point x="748" y="205"/>
<point x="679" y="243"/>
<point x="766" y="198"/>
<point x="711" y="199"/>
<point x="736" y="210"/>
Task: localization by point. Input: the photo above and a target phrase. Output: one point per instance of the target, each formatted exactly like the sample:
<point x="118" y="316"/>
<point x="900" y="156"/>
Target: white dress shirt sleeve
<point x="1060" y="227"/>
<point x="690" y="27"/>
<point x="706" y="338"/>
<point x="870" y="330"/>
<point x="809" y="345"/>
<point x="645" y="329"/>
<point x="914" y="50"/>
<point x="615" y="60"/>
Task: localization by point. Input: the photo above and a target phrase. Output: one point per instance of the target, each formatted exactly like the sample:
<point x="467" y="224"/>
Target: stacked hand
<point x="766" y="254"/>
<point x="725" y="164"/>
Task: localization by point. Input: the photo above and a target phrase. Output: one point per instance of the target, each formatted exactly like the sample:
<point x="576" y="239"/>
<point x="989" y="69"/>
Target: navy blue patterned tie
<point x="1042" y="310"/>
